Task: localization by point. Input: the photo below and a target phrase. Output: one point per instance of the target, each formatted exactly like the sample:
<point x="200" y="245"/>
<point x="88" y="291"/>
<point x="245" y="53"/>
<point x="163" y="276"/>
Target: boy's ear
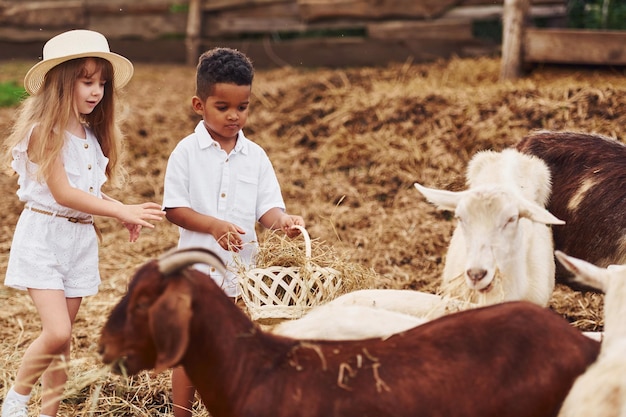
<point x="197" y="104"/>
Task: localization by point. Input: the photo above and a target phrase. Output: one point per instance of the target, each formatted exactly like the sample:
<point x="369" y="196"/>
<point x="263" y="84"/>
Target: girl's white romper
<point x="50" y="251"/>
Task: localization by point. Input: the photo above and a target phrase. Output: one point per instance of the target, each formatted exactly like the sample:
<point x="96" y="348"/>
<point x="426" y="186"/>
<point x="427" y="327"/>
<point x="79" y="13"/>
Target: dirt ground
<point x="347" y="146"/>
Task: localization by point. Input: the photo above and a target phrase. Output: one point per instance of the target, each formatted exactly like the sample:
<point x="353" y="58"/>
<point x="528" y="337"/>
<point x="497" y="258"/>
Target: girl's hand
<point x="140" y="215"/>
<point x="228" y="235"/>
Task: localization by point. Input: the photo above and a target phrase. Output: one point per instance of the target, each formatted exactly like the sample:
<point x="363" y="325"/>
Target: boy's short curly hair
<point x="222" y="65"/>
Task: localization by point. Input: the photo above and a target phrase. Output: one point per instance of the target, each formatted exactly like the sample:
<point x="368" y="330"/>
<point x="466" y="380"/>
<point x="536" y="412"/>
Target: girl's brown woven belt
<point x="69" y="219"/>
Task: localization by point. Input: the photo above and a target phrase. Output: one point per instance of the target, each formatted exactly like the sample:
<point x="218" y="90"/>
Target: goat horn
<point x="173" y="261"/>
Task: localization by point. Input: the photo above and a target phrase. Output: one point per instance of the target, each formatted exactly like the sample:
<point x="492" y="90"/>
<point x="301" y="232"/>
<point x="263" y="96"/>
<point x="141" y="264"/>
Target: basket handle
<point x="307" y="241"/>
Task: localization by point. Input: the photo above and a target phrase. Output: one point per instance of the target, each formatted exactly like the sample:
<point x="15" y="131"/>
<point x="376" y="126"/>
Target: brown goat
<point x="510" y="360"/>
<point x="588" y="193"/>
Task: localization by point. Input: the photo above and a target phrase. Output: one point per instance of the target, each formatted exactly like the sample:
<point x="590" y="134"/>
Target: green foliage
<point x="11" y="94"/>
<point x="597" y="14"/>
<point x="179" y="8"/>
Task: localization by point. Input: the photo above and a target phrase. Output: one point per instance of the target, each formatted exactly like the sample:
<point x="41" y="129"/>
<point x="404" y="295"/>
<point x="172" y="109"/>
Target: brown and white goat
<point x="588" y="193"/>
<point x="514" y="359"/>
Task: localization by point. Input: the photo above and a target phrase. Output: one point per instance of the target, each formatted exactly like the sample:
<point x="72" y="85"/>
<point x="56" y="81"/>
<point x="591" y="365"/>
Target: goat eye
<point x="140" y="308"/>
<point x="142" y="305"/>
<point x="511" y="220"/>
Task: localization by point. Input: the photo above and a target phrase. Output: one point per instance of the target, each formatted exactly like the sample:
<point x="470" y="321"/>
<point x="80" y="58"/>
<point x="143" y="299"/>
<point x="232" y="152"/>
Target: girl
<point x="64" y="145"/>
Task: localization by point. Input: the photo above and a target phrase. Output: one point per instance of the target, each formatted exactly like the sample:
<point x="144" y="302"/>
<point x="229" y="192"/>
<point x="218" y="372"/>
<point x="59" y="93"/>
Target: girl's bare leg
<point x="57" y="315"/>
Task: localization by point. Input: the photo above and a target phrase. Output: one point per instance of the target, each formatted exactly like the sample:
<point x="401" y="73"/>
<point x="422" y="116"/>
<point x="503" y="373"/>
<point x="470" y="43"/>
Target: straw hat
<point x="77" y="44"/>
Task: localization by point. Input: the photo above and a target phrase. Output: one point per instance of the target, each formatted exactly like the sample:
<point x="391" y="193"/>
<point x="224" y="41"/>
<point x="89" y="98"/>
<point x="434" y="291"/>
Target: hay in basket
<point x="288" y="279"/>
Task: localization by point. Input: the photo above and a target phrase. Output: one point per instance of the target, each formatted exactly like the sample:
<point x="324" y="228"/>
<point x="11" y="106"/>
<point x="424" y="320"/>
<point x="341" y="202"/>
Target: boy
<point x="218" y="183"/>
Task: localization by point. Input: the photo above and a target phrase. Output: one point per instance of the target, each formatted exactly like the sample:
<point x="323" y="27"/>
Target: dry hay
<point x="290" y="276"/>
<point x="275" y="249"/>
<point x="347" y="145"/>
<point x="457" y="288"/>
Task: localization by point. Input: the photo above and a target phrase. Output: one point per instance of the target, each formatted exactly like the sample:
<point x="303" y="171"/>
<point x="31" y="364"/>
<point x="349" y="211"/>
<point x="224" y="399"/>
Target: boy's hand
<point x="288" y="223"/>
<point x="134" y="231"/>
<point x="228" y="236"/>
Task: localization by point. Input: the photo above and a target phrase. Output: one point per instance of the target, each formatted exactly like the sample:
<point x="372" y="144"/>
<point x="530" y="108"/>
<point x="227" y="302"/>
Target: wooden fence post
<point x="194" y="27"/>
<point x="513" y="21"/>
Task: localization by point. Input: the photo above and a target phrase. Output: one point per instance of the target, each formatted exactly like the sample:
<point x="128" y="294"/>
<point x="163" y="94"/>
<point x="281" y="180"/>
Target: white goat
<point x="601" y="390"/>
<point x="502" y="245"/>
<point x="347" y="322"/>
<point x="369" y="313"/>
<point x="415" y="303"/>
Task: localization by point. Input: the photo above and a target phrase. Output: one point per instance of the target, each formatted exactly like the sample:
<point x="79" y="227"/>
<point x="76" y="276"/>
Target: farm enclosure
<point x="272" y="32"/>
<point x="347" y="144"/>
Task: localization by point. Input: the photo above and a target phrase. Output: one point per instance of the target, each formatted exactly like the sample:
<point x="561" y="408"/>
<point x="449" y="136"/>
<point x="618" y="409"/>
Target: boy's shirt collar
<point x="205" y="140"/>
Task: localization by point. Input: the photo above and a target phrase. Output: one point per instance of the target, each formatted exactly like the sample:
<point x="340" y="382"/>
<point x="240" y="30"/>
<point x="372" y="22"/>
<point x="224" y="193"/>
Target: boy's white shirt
<point x="239" y="188"/>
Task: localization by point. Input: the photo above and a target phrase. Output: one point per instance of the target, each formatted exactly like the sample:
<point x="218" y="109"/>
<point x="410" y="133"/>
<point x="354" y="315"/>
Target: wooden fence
<point x="524" y="45"/>
<point x="273" y="32"/>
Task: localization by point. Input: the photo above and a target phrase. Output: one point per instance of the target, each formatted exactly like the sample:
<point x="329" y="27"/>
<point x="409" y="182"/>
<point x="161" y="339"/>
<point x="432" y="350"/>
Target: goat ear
<point x="443" y="199"/>
<point x="169" y="324"/>
<point x="584" y="271"/>
<point x="537" y="213"/>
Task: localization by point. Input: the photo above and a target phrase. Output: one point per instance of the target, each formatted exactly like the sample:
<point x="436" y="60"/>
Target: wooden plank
<point x="48" y="14"/>
<point x="277" y="27"/>
<point x="194" y="27"/>
<point x="97" y="6"/>
<point x="491" y="12"/>
<point x="268" y="20"/>
<point x="501" y="2"/>
<point x="312" y="10"/>
<point x="70" y="14"/>
<point x="271" y="53"/>
<point x="515" y="12"/>
<point x="21" y="35"/>
<point x="261" y="11"/>
<point x="160" y="51"/>
<point x="346" y="52"/>
<point x="572" y="46"/>
<point x="443" y="29"/>
<point x="234" y="26"/>
<point x="139" y="26"/>
<point x="262" y="18"/>
<point x="126" y="7"/>
<point x="216" y="5"/>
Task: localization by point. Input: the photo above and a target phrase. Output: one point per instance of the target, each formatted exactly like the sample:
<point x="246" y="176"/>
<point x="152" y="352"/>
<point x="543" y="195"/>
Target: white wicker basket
<point x="278" y="292"/>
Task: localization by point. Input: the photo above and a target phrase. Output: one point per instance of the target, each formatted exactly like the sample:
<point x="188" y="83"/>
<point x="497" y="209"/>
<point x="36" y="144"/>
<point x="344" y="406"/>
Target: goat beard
<point x="457" y="289"/>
